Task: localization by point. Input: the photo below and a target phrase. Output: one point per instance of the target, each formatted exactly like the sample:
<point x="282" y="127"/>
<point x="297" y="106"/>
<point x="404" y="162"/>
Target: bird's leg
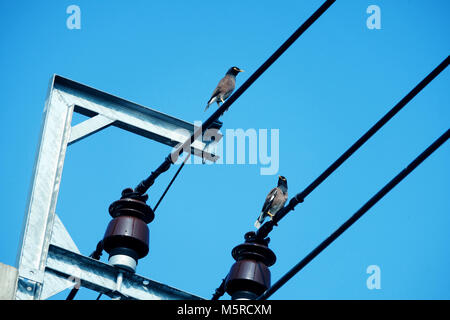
<point x="270" y="215"/>
<point x="221" y="99"/>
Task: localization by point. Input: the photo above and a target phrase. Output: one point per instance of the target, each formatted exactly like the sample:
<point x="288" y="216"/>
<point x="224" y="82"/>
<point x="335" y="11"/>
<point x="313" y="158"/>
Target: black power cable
<point x="145" y="184"/>
<point x="267" y="227"/>
<point x="171" y="182"/>
<point x="220" y="291"/>
<point x="96" y="254"/>
<point x="172" y="157"/>
<point x="347" y="224"/>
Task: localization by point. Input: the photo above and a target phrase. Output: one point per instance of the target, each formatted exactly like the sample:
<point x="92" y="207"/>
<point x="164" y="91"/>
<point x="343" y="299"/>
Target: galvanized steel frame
<point x="47" y="253"/>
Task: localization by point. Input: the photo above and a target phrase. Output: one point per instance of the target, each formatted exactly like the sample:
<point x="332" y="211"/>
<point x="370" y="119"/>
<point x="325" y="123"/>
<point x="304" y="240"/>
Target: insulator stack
<point x="127" y="235"/>
<point x="250" y="276"/>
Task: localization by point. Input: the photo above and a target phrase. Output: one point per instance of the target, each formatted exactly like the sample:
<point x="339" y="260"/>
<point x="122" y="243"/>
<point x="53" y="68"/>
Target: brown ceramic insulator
<point x="250" y="273"/>
<point x="255" y="251"/>
<point x="131" y="207"/>
<point x="129" y="232"/>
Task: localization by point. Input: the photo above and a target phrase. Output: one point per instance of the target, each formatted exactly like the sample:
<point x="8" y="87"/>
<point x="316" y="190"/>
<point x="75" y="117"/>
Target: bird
<point x="275" y="200"/>
<point x="225" y="87"/>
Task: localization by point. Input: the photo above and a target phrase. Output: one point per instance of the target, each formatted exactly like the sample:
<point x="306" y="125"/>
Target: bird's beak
<point x="240" y="70"/>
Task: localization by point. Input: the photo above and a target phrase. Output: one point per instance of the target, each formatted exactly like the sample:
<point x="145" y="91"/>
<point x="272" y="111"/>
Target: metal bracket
<point x="105" y="110"/>
<point x="34" y="275"/>
<point x="41" y="225"/>
<point x="111" y="281"/>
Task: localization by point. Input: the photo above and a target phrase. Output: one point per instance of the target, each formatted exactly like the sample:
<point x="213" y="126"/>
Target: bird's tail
<point x="259" y="221"/>
<point x="211" y="101"/>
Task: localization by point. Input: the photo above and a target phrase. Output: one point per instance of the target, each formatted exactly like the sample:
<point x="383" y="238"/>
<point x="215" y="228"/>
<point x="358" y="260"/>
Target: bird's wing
<point x="218" y="89"/>
<point x="225" y="87"/>
<point x="215" y="93"/>
<point x="279" y="201"/>
<point x="228" y="86"/>
<point x="269" y="199"/>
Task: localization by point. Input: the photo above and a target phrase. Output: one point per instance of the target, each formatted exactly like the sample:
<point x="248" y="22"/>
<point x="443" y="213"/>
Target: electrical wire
<point x="171" y="182"/>
<point x="145" y="184"/>
<point x="220" y="291"/>
<point x="347" y="224"/>
<point x="267" y="227"/>
<point x="96" y="254"/>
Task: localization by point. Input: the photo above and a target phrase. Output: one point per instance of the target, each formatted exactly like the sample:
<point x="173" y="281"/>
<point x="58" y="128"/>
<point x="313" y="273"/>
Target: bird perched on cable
<point x="275" y="200"/>
<point x="225" y="87"/>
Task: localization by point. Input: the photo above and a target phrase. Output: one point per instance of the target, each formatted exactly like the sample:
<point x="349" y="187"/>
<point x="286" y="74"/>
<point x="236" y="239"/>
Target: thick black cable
<point x="72" y="293"/>
<point x="347" y="224"/>
<point x="96" y="254"/>
<point x="267" y="227"/>
<point x="220" y="291"/>
<point x="171" y="182"/>
<point x="144" y="185"/>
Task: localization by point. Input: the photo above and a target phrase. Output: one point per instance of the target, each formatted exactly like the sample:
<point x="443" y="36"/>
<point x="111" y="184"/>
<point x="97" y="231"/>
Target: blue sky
<point x="336" y="81"/>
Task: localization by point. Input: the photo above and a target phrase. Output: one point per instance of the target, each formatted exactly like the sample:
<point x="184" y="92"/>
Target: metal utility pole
<point x="48" y="259"/>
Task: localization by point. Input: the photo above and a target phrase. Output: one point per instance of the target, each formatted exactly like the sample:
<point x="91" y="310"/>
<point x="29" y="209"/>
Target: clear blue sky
<point x="323" y="94"/>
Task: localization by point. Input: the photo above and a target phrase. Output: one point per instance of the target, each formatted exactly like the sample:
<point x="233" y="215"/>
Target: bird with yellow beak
<point x="275" y="200"/>
<point x="225" y="87"/>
